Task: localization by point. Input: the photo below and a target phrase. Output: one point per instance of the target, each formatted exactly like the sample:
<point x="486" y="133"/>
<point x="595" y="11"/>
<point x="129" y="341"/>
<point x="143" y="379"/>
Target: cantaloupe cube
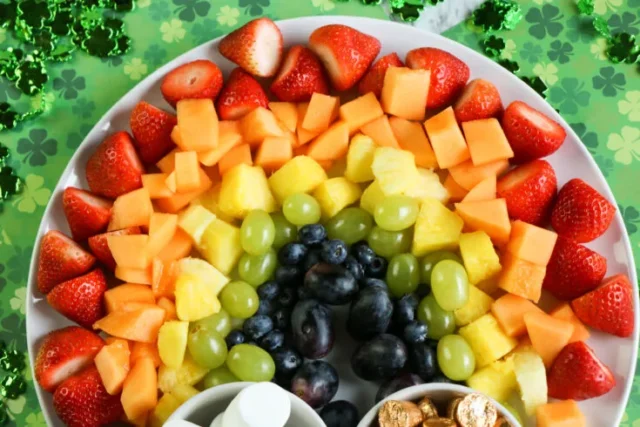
<point x="211" y="201"/>
<point x="565" y="312"/>
<point x="490" y="216"/>
<point x="259" y="124"/>
<point x="509" y="310"/>
<point x="230" y="136"/>
<point x="564" y="413"/>
<point x="171" y="182"/>
<point x="380" y="131"/>
<point x="197" y="125"/>
<point x="187" y="172"/>
<point x="176" y="137"/>
<point x="404" y="92"/>
<point x="112" y="362"/>
<point x="245" y="188"/>
<point x="531" y="243"/>
<point x="361" y="111"/>
<point x="371" y="196"/>
<point x="166" y="406"/>
<point x="359" y="159"/>
<point x="468" y="175"/>
<point x="394" y="169"/>
<point x="179" y="247"/>
<point x="130" y="250"/>
<point x="548" y="335"/>
<point x="115" y="298"/>
<point x="486" y="141"/>
<point x="304" y="135"/>
<point x="134" y="275"/>
<point x="428" y="185"/>
<point x="188" y="373"/>
<point x="155" y="184"/>
<point x="484" y="190"/>
<point x="456" y="192"/>
<point x="477" y="305"/>
<point x="144" y="350"/>
<point x="336" y="194"/>
<point x="136" y="325"/>
<point x="238" y="155"/>
<point x="497" y="380"/>
<point x="132" y="209"/>
<point x="140" y="389"/>
<point x="287" y="113"/>
<point x="487" y="340"/>
<point x="331" y="144"/>
<point x="411" y="137"/>
<point x="322" y="110"/>
<point x="437" y="228"/>
<point x="169" y="307"/>
<point x="220" y="245"/>
<point x="273" y="153"/>
<point x="162" y="228"/>
<point x="446" y="139"/>
<point x="521" y="277"/>
<point x="302" y="174"/>
<point x="135" y="305"/>
<point x="163" y="277"/>
<point x="175" y="203"/>
<point x="480" y="258"/>
<point x="194" y="220"/>
<point x="167" y="163"/>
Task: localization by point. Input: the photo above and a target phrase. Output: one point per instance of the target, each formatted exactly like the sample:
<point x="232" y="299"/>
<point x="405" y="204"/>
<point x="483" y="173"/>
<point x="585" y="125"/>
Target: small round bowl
<point x="439" y="393"/>
<point x="204" y="407"/>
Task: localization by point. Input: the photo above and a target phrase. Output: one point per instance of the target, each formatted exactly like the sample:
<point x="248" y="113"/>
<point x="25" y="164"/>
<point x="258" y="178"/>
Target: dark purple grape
<point x="380" y="358"/>
<point x="316" y="383"/>
<point x="331" y="284"/>
<point x="423" y="361"/>
<point x="354" y="267"/>
<point x="281" y="318"/>
<point x="371" y="282"/>
<point x="287" y="361"/>
<point x="398" y="383"/>
<point x="312" y="329"/>
<point x="287" y="297"/>
<point x="405" y="309"/>
<point x="362" y="252"/>
<point x="370" y="314"/>
<point x="415" y="332"/>
<point x="312" y="258"/>
<point x="340" y="413"/>
<point x="376" y="268"/>
<point x="289" y="275"/>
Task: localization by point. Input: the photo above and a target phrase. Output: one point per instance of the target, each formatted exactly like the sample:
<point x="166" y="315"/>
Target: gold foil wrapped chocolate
<point x="395" y="413"/>
<point x="476" y="410"/>
<point x="439" y="422"/>
<point x="452" y="407"/>
<point x="427" y="408"/>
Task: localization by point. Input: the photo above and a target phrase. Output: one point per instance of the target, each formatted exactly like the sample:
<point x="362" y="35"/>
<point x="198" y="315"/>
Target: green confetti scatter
<point x="12" y="386"/>
<point x="496" y="15"/>
<point x="601" y="26"/>
<point x="10" y="183"/>
<point x="512" y="66"/>
<point x="5" y="155"/>
<point x="12" y="361"/>
<point x="622" y="47"/>
<point x="585" y="7"/>
<point x="32" y="76"/>
<point x="493" y="46"/>
<point x="537" y="84"/>
<point x="8" y="117"/>
<point x="371" y="2"/>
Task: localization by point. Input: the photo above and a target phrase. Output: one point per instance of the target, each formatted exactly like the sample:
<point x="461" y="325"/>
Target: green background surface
<point x="600" y="100"/>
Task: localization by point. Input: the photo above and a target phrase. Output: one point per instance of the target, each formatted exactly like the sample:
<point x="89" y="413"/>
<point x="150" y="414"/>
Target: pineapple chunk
<point x="220" y="245"/>
<point x="394" y="169"/>
<point x="172" y="342"/>
<point x="436" y="228"/>
<point x="335" y="194"/>
<point x="183" y="392"/>
<point x="301" y="174"/>
<point x="245" y="188"/>
<point x="188" y="373"/>
<point x="428" y="185"/>
<point x="532" y="379"/>
<point x="166" y="406"/>
<point x="337" y="169"/>
<point x="478" y="304"/>
<point x="204" y="271"/>
<point x="371" y="196"/>
<point x="195" y="299"/>
<point x="360" y="158"/>
<point x="194" y="220"/>
<point x="211" y="201"/>
<point x="480" y="258"/>
<point x="498" y="380"/>
<point x="487" y="340"/>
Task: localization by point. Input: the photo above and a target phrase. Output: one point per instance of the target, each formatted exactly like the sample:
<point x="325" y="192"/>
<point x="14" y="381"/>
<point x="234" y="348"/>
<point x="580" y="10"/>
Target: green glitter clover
<point x="585" y="7"/>
<point x="601" y="26"/>
<point x="537" y="84"/>
<point x="10" y="183"/>
<point x="496" y="15"/>
<point x="493" y="46"/>
<point x="622" y="47"/>
<point x="510" y="65"/>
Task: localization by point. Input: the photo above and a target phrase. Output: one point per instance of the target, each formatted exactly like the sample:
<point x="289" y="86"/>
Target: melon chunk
<point x="287" y="113"/>
<point x="565" y="312"/>
<point x="531" y="243"/>
<point x="484" y="190"/>
<point x="509" y="310"/>
<point x="197" y="125"/>
<point x="130" y="250"/>
<point x="170" y="312"/>
<point x="411" y="137"/>
<point x="404" y="92"/>
<point x="163" y="277"/>
<point x="112" y="362"/>
<point x="497" y="380"/>
<point x="302" y="174"/>
<point x="143" y="350"/>
<point x="380" y="131"/>
<point x="304" y="135"/>
<point x="238" y="155"/>
<point x="548" y="335"/>
<point x="331" y="144"/>
<point x="132" y="209"/>
<point x="174" y="203"/>
<point x="468" y="175"/>
<point x="136" y="325"/>
<point x="486" y="141"/>
<point x="446" y="139"/>
<point x="140" y="389"/>
<point x="167" y="163"/>
<point x="230" y="136"/>
<point x="162" y="228"/>
<point x="187" y="172"/>
<point x="155" y="184"/>
<point x="259" y="124"/>
<point x="532" y="379"/>
<point x="273" y="153"/>
<point x="456" y="192"/>
<point x="521" y="277"/>
<point x="178" y="247"/>
<point x="322" y="110"/>
<point x="361" y="111"/>
<point x="140" y="276"/>
<point x="245" y="188"/>
<point x="489" y="216"/>
<point x="564" y="413"/>
<point x="115" y="298"/>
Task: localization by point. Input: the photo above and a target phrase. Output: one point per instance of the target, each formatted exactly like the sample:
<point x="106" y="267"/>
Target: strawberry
<point x="100" y="248"/>
<point x="449" y="75"/>
<point x="577" y="374"/>
<point x="573" y="270"/>
<point x="529" y="190"/>
<point x="151" y="128"/>
<point x="374" y="79"/>
<point x="480" y="99"/>
<point x="241" y="95"/>
<point x="345" y="52"/>
<point x="581" y="213"/>
<point x="114" y="168"/>
<point x="300" y="76"/>
<point x="82" y="401"/>
<point x="60" y="259"/>
<point x="80" y="299"/>
<point x="530" y="133"/>
<point x="63" y="353"/>
<point x="86" y="214"/>
<point x="609" y="307"/>
<point x="194" y="80"/>
<point x="256" y="47"/>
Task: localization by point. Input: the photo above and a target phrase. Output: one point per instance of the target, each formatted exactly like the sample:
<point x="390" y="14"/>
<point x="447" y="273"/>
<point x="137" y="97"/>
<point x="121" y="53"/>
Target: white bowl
<point x="202" y="408"/>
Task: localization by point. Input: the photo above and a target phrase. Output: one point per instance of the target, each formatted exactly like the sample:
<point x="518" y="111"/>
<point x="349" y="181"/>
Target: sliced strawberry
<point x="530" y="133"/>
<point x="86" y="214"/>
<point x="529" y="190"/>
<point x="374" y="79"/>
<point x="80" y="299"/>
<point x="100" y="248"/>
<point x="114" y="168"/>
<point x="608" y="308"/>
<point x="63" y="353"/>
<point x="449" y="75"/>
<point x="578" y="374"/>
<point x="345" y="52"/>
<point x="60" y="259"/>
<point x="573" y="270"/>
<point x="151" y="128"/>
<point x="480" y="99"/>
<point x="240" y="95"/>
<point x="300" y="77"/>
<point x="581" y="213"/>
<point x="194" y="80"/>
<point x="82" y="401"/>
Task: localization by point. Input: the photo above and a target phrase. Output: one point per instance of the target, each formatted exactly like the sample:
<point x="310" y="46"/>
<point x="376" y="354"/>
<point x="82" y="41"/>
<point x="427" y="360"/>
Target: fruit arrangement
<point x="214" y="244"/>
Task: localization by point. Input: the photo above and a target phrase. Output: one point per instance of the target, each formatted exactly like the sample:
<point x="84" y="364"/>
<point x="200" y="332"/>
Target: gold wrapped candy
<point x="452" y="407"/>
<point x="427" y="408"/>
<point x="439" y="422"/>
<point x="396" y="413"/>
<point x="476" y="410"/>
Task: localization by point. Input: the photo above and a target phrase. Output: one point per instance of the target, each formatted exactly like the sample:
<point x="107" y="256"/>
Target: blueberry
<point x="289" y="275"/>
<point x="272" y="340"/>
<point x="287" y="361"/>
<point x="281" y="318"/>
<point x="354" y="267"/>
<point x="269" y="290"/>
<point x="312" y="258"/>
<point x="257" y="326"/>
<point x="362" y="252"/>
<point x="265" y="307"/>
<point x="371" y="282"/>
<point x="334" y="251"/>
<point x="340" y="413"/>
<point x="376" y="268"/>
<point x="405" y="309"/>
<point x="292" y="253"/>
<point x="415" y="332"/>
<point x="235" y="337"/>
<point x="287" y="297"/>
<point x="312" y="234"/>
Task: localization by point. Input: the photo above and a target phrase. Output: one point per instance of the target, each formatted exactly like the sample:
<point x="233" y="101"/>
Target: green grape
<point x="219" y="322"/>
<point x="239" y="299"/>
<point x="389" y="243"/>
<point x="450" y="285"/>
<point x="395" y="213"/>
<point x="455" y="358"/>
<point x="250" y="363"/>
<point x="237" y="323"/>
<point x="285" y="232"/>
<point x="257" y="269"/>
<point x="350" y="225"/>
<point x="403" y="274"/>
<point x="207" y="347"/>
<point x="439" y="322"/>
<point x="430" y="260"/>
<point x="257" y="232"/>
<point x="219" y="376"/>
<point x="301" y="209"/>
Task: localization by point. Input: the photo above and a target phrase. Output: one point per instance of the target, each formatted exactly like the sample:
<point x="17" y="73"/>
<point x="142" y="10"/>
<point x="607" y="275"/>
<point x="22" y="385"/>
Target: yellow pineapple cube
<point x="336" y="194"/>
<point x="189" y="373"/>
<point x="211" y="201"/>
<point x="245" y="188"/>
<point x="487" y="340"/>
<point x="395" y="170"/>
<point x="220" y="245"/>
<point x="184" y="392"/>
<point x="479" y="256"/>
<point x="489" y="286"/>
<point x="166" y="406"/>
<point x="194" y="220"/>
<point x="195" y="299"/>
<point x="531" y="377"/>
<point x="436" y="228"/>
<point x="301" y="174"/>
<point x="428" y="185"/>
<point x="204" y="271"/>
<point x="172" y="342"/>
<point x="337" y="169"/>
<point x="360" y="158"/>
<point x="478" y="304"/>
<point x="371" y="196"/>
<point x="497" y="380"/>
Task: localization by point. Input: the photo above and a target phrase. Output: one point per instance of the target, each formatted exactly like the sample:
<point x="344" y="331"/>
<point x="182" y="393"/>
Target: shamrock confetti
<point x="5" y="155"/>
<point x="12" y="386"/>
<point x="496" y="15"/>
<point x="585" y="7"/>
<point x="8" y="117"/>
<point x="537" y="84"/>
<point x="12" y="361"/>
<point x="601" y="26"/>
<point x="493" y="46"/>
<point x="512" y="66"/>
<point x="622" y="47"/>
<point x="10" y="184"/>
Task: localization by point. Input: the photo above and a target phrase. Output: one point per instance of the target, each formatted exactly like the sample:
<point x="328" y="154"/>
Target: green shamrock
<point x="609" y="81"/>
<point x="580" y="29"/>
<point x="188" y="9"/>
<point x="493" y="46"/>
<point x="560" y="51"/>
<point x="531" y="52"/>
<point x="8" y="90"/>
<point x="625" y="23"/>
<point x="159" y="10"/>
<point x="408" y="12"/>
<point x="605" y="164"/>
<point x="10" y="184"/>
<point x="62" y="23"/>
<point x="545" y="21"/>
<point x="537" y="84"/>
<point x="32" y="75"/>
<point x="83" y="108"/>
<point x="601" y="26"/>
<point x="201" y="31"/>
<point x="37" y="147"/>
<point x="585" y="7"/>
<point x="589" y="139"/>
<point x="69" y="84"/>
<point x="8" y="117"/>
<point x="99" y="42"/>
<point x="75" y="138"/>
<point x="569" y="95"/>
<point x="622" y="47"/>
<point x="155" y="54"/>
<point x="631" y="218"/>
<point x="254" y="7"/>
<point x="13" y="331"/>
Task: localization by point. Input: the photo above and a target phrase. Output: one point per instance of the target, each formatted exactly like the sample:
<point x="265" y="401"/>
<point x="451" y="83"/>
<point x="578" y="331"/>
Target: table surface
<point x="600" y="100"/>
